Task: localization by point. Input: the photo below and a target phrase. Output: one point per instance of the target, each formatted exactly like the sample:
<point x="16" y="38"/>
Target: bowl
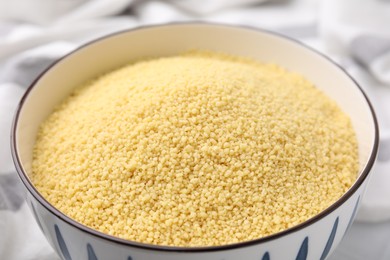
<point x="315" y="238"/>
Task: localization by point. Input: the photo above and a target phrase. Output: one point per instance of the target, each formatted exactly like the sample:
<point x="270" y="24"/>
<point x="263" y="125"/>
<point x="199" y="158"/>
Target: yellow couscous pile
<point x="198" y="149"/>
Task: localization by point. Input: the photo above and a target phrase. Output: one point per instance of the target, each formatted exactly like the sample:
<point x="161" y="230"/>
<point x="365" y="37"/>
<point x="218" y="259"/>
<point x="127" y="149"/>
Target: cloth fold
<point x="353" y="34"/>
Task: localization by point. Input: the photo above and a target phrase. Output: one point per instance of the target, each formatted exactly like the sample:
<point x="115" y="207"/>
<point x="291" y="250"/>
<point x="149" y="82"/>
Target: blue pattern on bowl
<point x="302" y="254"/>
<point x="353" y="214"/>
<point x="91" y="253"/>
<point x="329" y="244"/>
<point x="61" y="243"/>
<point x="266" y="256"/>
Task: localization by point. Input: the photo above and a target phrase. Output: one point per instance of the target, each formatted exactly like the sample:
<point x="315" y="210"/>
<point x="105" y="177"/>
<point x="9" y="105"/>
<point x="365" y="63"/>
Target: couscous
<point x="198" y="149"/>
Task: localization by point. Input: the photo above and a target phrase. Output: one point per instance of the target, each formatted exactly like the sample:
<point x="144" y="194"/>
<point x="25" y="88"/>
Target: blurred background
<point x="355" y="34"/>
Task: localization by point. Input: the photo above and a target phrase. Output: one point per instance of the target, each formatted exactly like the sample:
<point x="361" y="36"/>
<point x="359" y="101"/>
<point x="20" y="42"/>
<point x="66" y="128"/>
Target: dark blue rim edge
<point x="62" y="216"/>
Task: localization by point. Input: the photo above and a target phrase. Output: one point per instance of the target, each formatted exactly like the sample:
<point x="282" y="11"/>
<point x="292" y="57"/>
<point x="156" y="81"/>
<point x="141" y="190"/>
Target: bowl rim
<point x="34" y="192"/>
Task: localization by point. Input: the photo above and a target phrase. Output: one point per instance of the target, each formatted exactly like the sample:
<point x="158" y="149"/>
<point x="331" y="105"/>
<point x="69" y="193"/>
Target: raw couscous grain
<point x="198" y="149"/>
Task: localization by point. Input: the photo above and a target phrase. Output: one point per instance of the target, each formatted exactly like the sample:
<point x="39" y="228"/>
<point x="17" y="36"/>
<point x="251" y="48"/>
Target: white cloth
<point x="357" y="34"/>
<point x="34" y="33"/>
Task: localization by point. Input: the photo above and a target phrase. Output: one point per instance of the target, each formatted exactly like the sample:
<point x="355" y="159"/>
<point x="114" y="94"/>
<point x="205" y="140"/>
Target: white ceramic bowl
<point x="314" y="239"/>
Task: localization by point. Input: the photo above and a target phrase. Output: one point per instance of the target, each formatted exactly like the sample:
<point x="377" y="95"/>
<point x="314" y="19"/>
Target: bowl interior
<point x="111" y="52"/>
